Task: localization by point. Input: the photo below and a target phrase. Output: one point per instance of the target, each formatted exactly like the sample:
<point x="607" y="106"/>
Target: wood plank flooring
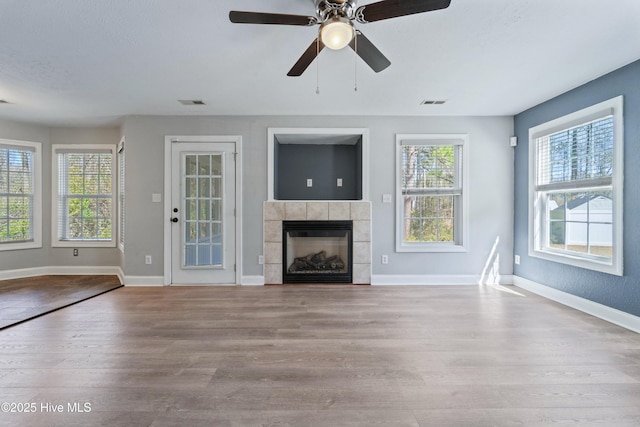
<point x="26" y="298"/>
<point x="320" y="356"/>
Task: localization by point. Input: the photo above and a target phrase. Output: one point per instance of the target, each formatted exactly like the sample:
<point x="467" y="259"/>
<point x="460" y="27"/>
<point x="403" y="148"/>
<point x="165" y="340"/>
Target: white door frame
<point x="168" y="140"/>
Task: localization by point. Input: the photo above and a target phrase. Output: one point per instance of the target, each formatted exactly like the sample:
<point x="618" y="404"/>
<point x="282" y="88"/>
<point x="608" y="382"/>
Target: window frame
<point x="36" y="242"/>
<point x="81" y="148"/>
<point x="461" y="215"/>
<point x="538" y="225"/>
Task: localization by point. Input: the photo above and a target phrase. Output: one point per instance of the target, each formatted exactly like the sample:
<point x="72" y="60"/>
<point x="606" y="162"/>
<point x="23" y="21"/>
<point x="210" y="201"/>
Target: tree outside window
<point x="430" y="192"/>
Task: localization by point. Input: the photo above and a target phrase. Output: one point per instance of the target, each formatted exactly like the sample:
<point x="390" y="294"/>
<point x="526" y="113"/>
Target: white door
<point x="203" y="221"/>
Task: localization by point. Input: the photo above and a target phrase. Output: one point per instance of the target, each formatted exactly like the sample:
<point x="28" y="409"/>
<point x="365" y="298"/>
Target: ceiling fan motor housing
<point x="327" y="9"/>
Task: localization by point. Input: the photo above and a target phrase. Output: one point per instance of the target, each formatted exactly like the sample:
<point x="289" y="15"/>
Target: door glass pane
<point x="190" y="187"/>
<point x="190" y="209"/>
<point x="190" y="165"/>
<point x="203" y="165"/>
<point x="216" y="165"/>
<point x="216" y="211"/>
<point x="202" y="203"/>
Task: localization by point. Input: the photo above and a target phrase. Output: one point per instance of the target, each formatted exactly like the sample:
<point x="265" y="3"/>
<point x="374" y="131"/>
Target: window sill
<point x="577" y="261"/>
<point x="431" y="248"/>
<point x="20" y="246"/>
<point x="82" y="244"/>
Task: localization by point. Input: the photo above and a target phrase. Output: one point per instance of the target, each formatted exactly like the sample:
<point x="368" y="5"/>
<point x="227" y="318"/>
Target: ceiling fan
<point x="336" y="19"/>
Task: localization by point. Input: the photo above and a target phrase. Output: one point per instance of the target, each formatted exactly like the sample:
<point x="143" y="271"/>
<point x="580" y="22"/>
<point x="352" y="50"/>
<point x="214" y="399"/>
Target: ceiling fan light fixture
<point x="337" y="32"/>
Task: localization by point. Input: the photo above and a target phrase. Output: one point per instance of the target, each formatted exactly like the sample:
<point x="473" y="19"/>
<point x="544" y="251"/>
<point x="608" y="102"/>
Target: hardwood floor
<point x="26" y="298"/>
<point x="320" y="356"/>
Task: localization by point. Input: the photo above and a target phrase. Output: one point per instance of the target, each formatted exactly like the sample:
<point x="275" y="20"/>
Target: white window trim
<point x="463" y="219"/>
<point x="37" y="197"/>
<point x="55" y="242"/>
<point x="613" y="107"/>
<point x="121" y="154"/>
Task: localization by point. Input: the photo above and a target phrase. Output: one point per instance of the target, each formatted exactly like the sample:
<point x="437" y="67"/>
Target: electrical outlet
<point x="339" y="182"/>
<point x="309" y="182"/>
<point x="147" y="259"/>
<point x="75" y="252"/>
<point x="516" y="259"/>
<point x="385" y="259"/>
<point x="260" y="259"/>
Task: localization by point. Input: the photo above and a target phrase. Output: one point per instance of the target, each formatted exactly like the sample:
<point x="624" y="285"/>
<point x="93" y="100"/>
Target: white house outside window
<point x="84" y="212"/>
<point x="20" y="195"/>
<point x="576" y="186"/>
<point x="431" y="193"/>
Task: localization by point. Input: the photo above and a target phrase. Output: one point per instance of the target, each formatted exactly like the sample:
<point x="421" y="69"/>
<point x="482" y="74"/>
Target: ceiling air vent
<point x="191" y="102"/>
<point x="433" y="102"/>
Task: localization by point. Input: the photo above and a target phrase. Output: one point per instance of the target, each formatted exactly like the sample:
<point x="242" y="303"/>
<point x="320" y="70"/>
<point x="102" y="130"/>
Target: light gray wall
<point x="29" y="258"/>
<point x="491" y="189"/>
<point x="491" y="186"/>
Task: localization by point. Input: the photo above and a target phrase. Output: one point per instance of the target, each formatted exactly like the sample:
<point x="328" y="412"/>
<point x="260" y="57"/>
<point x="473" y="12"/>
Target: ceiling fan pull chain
<point x="355" y="63"/>
<point x="318" y="65"/>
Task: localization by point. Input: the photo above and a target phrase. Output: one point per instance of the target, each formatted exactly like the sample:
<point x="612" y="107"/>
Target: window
<point x="576" y="188"/>
<point x="431" y="193"/>
<point x="83" y="212"/>
<point x="121" y="198"/>
<point x="20" y="195"/>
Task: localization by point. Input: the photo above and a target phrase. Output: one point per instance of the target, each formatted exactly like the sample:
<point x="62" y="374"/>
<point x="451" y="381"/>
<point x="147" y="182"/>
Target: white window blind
<point x="17" y="193"/>
<point x="85" y="194"/>
<point x="579" y="157"/>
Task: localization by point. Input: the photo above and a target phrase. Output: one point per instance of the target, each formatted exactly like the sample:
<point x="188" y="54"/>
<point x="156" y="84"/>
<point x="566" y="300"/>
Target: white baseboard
<point x="617" y="317"/>
<point x="252" y="280"/>
<point x="434" y="279"/>
<point x="19" y="273"/>
<point x="61" y="270"/>
<point x="143" y="280"/>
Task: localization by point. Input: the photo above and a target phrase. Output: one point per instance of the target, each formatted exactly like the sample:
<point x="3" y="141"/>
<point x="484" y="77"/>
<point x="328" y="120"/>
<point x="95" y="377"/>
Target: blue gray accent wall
<point x="622" y="293"/>
<point x="324" y="164"/>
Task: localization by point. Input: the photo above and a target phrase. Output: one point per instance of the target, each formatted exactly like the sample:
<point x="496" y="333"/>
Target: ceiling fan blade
<point x="306" y="59"/>
<point x="238" y="17"/>
<point x="386" y="9"/>
<point x="369" y="53"/>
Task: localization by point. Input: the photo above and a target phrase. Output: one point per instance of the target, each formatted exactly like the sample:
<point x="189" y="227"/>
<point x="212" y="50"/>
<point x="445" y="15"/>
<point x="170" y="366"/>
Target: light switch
<point x="156" y="197"/>
<point x="386" y="198"/>
<point x="309" y="182"/>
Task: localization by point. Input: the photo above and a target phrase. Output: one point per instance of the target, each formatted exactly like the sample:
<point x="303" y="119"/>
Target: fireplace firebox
<point x="317" y="251"/>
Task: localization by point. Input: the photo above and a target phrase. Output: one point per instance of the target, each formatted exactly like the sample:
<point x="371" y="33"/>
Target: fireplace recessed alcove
<point x="336" y="163"/>
<point x="318" y="164"/>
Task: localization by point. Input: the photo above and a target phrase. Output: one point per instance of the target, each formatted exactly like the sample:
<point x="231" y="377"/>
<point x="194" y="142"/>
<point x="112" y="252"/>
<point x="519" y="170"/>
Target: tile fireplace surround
<point x="276" y="212"/>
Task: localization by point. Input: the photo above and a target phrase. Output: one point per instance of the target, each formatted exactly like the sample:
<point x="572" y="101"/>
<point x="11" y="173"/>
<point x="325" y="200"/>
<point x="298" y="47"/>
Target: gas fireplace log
<point x="316" y="262"/>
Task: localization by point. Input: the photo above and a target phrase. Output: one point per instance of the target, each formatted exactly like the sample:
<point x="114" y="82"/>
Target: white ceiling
<point x="90" y="62"/>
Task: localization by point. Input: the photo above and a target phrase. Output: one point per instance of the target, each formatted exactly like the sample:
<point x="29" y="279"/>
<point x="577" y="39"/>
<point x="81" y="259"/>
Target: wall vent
<point x="191" y="102"/>
<point x="433" y="102"/>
